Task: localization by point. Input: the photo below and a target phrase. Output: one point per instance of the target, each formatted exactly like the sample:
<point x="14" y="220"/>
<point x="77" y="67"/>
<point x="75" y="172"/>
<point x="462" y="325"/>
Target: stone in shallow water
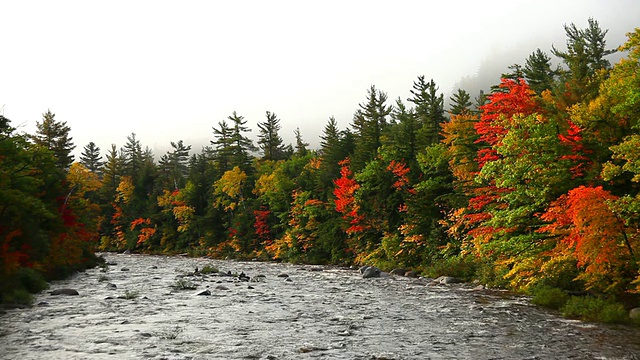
<point x="204" y="293"/>
<point x="64" y="292"/>
<point x="371" y="272"/>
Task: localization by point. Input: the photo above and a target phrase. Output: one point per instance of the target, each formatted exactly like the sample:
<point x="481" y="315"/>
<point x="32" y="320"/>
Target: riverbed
<point x="160" y="307"/>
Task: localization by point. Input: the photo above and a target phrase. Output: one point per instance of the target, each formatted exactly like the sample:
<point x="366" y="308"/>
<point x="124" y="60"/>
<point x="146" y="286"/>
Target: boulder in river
<point x="398" y="271"/>
<point x="283" y="275"/>
<point x="69" y="292"/>
<point x="411" y="274"/>
<point x="445" y="280"/>
<point x="204" y="293"/>
<point x="371" y="272"/>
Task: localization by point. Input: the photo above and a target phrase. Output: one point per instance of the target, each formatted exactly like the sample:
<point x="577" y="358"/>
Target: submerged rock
<point x="445" y="280"/>
<point x="398" y="271"/>
<point x="371" y="272"/>
<point x="69" y="292"/>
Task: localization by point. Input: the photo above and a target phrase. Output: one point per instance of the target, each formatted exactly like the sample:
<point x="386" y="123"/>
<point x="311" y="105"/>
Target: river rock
<point x="69" y="292"/>
<point x="398" y="271"/>
<point x="411" y="274"/>
<point x="204" y="293"/>
<point x="124" y="269"/>
<point x="371" y="272"/>
<point x="283" y="275"/>
<point x="222" y="287"/>
<point x="445" y="280"/>
<point x="634" y="314"/>
<point x="111" y="286"/>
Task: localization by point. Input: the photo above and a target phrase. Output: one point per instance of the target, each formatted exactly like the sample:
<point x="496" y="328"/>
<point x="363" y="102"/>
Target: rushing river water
<point x="136" y="310"/>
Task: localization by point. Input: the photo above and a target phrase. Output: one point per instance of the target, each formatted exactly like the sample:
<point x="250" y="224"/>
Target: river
<point x="137" y="308"/>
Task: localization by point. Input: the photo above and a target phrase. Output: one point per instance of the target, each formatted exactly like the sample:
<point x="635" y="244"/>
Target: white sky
<point x="170" y="70"/>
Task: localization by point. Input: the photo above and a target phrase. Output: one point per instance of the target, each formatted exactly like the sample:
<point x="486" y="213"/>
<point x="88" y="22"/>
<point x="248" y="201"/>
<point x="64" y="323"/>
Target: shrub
<point x="595" y="309"/>
<point x="31" y="280"/>
<point x="17" y="296"/>
<point x="549" y="297"/>
<point x="208" y="269"/>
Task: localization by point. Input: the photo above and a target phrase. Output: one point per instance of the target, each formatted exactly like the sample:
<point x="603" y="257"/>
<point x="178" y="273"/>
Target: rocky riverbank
<point x="159" y="307"/>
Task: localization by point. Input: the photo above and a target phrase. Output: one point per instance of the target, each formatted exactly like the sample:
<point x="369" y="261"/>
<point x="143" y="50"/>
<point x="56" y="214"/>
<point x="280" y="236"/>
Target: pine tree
<point x="538" y="73"/>
<point x="54" y="135"/>
<point x="133" y="156"/>
<point x="223" y="146"/>
<point x="269" y="140"/>
<point x="369" y="123"/>
<point x="241" y="145"/>
<point x="429" y="107"/>
<point x="301" y="146"/>
<point x="91" y="158"/>
<point x="174" y="165"/>
<point x="460" y="102"/>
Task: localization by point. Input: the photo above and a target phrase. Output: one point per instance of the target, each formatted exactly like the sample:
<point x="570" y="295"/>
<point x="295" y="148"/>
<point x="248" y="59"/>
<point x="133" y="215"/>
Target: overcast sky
<point x="170" y="70"/>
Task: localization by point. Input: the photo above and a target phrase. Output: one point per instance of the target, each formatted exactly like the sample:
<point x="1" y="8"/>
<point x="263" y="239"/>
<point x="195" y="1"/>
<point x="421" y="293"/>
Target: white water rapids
<point x="314" y="313"/>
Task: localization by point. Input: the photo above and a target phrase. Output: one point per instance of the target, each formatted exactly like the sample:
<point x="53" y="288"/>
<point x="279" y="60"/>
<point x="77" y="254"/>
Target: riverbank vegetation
<point x="532" y="185"/>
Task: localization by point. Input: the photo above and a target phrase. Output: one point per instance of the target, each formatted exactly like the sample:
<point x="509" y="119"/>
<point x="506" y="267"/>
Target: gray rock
<point x="124" y="269"/>
<point x="362" y="269"/>
<point x="222" y="287"/>
<point x="398" y="271"/>
<point x="64" y="292"/>
<point x="43" y="303"/>
<point x="411" y="274"/>
<point x="634" y="314"/>
<point x="111" y="286"/>
<point x="283" y="275"/>
<point x="204" y="293"/>
<point x="371" y="272"/>
<point x="445" y="280"/>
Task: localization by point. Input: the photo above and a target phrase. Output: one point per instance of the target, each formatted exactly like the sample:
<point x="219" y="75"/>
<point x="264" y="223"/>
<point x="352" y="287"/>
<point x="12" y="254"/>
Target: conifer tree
<point x="54" y="135"/>
<point x="369" y="123"/>
<point x="460" y="102"/>
<point x="301" y="146"/>
<point x="538" y="73"/>
<point x="91" y="158"/>
<point x="269" y="140"/>
<point x="429" y="107"/>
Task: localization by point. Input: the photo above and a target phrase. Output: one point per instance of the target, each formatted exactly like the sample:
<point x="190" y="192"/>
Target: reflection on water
<point x="151" y="310"/>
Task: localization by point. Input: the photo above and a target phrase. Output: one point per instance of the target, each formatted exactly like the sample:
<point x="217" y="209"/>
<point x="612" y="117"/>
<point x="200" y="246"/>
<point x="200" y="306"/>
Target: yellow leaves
<point x="173" y="202"/>
<point x="228" y="189"/>
<point x="266" y="183"/>
<point x="83" y="180"/>
<point x="124" y="191"/>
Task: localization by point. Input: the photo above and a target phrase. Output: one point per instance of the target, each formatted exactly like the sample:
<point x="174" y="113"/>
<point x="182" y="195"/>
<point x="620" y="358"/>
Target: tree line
<point x="534" y="182"/>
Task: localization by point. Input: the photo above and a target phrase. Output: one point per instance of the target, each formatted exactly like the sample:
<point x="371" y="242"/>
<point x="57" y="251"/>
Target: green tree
<point x="54" y="135"/>
<point x="369" y="123"/>
<point x="301" y="146"/>
<point x="269" y="141"/>
<point x="429" y="107"/>
<point x="460" y="102"/>
<point x="91" y="158"/>
<point x="173" y="165"/>
<point x="538" y="73"/>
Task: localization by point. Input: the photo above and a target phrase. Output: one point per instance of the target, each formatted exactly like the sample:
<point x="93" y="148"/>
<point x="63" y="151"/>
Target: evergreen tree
<point x="223" y="146"/>
<point x="174" y="165"/>
<point x="480" y="100"/>
<point x="133" y="156"/>
<point x="429" y="107"/>
<point x="91" y="158"/>
<point x="460" y="102"/>
<point x="369" y="123"/>
<point x="241" y="145"/>
<point x="54" y="135"/>
<point x="301" y="146"/>
<point x="585" y="56"/>
<point x="538" y="73"/>
<point x="269" y="140"/>
<point x="404" y="134"/>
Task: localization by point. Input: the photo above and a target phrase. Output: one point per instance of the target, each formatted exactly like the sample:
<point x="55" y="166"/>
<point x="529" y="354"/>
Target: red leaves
<point x="261" y="225"/>
<point x="573" y="140"/>
<point x="516" y="100"/>
<point x="589" y="229"/>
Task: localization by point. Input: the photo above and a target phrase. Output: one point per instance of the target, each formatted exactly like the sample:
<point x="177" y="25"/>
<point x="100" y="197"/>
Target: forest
<point x="531" y="185"/>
